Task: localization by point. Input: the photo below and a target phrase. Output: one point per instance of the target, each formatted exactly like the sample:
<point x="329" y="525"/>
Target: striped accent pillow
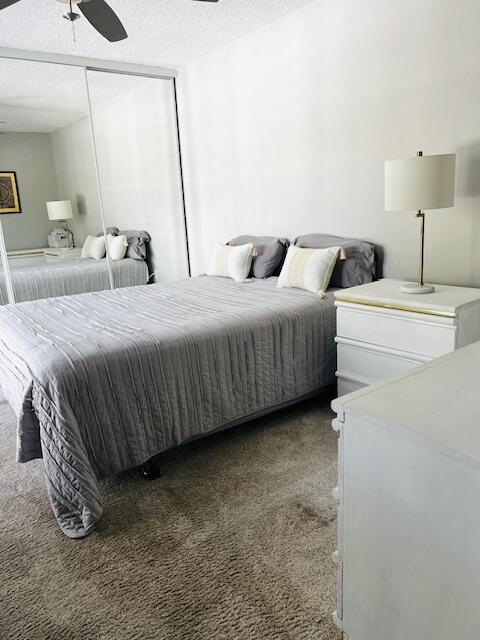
<point x="231" y="262"/>
<point x="309" y="269"/>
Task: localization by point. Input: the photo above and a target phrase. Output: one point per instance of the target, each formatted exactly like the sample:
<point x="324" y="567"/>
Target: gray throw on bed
<point x="50" y="279"/>
<point x="101" y="382"/>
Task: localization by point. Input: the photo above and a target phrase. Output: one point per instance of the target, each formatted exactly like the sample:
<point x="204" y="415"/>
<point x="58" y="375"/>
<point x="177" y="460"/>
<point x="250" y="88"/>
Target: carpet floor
<point x="232" y="541"/>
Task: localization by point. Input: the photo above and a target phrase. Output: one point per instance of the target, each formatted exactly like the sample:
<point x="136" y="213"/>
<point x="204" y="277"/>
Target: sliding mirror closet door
<point x="50" y="201"/>
<point x="136" y="145"/>
<point x="6" y="292"/>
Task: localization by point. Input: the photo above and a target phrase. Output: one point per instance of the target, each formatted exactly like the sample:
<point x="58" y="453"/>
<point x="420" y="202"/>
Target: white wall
<point x="29" y="154"/>
<point x="76" y="178"/>
<point x="286" y="131"/>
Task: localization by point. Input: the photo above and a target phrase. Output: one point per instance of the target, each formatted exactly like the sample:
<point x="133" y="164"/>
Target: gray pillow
<point x="137" y="242"/>
<point x="358" y="265"/>
<point x="270" y="254"/>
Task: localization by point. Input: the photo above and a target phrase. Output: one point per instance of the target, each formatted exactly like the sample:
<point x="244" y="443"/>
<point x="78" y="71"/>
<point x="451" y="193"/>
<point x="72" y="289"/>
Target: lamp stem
<point x="422" y="237"/>
<point x="421" y="215"/>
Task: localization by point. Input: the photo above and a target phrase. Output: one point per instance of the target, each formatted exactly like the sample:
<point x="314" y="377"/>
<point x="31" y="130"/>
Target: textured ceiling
<point x="161" y="32"/>
<point x="38" y="97"/>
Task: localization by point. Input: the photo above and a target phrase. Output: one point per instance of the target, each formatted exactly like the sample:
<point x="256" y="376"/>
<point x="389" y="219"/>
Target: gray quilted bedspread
<point x="50" y="279"/>
<point x="101" y="382"/>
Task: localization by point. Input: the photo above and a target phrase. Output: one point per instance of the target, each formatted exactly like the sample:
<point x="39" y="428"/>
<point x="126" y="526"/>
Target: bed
<point x="46" y="279"/>
<point x="102" y="382"/>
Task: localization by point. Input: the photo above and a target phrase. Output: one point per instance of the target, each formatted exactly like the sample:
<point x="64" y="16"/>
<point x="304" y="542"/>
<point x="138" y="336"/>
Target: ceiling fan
<point x="100" y="15"/>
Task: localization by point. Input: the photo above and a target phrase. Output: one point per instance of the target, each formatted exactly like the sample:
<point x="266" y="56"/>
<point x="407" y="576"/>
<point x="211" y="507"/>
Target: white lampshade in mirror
<point x="60" y="210"/>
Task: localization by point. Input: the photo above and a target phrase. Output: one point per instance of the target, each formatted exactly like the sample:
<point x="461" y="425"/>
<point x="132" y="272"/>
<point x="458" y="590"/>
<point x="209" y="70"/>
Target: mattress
<point x="102" y="382"/>
<point x="50" y="279"/>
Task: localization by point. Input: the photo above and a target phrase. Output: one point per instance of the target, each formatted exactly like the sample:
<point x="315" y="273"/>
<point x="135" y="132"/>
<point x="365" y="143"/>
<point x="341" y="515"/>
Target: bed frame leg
<point x="151" y="469"/>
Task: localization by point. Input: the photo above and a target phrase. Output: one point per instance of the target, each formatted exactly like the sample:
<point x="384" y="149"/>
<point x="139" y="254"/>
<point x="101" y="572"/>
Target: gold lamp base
<point x="413" y="287"/>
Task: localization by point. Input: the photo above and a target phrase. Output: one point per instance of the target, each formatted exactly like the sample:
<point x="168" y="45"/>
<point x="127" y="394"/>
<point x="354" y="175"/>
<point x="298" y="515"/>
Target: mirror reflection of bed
<point x="52" y="272"/>
<point x="56" y="244"/>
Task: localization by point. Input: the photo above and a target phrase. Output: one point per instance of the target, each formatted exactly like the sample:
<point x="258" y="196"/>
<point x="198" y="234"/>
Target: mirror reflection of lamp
<point x="60" y="237"/>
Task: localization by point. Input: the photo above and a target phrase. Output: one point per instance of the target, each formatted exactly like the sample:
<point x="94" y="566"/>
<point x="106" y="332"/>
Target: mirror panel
<point x="6" y="292"/>
<point x="138" y="162"/>
<point x="46" y="147"/>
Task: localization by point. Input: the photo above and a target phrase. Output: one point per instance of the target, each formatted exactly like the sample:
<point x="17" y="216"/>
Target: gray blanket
<point x="101" y="382"/>
<point x="49" y="279"/>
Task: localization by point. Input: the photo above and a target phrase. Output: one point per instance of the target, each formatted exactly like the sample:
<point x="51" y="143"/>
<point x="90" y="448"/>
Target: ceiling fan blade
<point x="6" y="3"/>
<point x="104" y="19"/>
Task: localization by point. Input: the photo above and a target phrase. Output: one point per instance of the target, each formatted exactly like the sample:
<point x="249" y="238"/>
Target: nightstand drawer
<point x="361" y="360"/>
<point x="429" y="336"/>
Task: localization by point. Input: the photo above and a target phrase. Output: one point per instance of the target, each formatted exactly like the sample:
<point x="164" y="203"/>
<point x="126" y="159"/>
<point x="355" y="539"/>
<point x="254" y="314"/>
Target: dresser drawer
<point x="360" y="360"/>
<point x="429" y="336"/>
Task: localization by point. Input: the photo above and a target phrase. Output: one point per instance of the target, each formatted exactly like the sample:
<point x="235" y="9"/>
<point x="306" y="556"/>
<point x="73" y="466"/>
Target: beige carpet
<point x="232" y="542"/>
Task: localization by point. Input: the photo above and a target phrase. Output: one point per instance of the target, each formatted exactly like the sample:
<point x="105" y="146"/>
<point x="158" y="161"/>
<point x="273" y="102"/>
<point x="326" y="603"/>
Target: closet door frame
<point x="109" y="66"/>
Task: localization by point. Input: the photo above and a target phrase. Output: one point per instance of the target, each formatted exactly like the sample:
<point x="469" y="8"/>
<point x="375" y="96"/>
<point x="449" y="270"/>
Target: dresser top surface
<point x="437" y="403"/>
<point x="386" y="293"/>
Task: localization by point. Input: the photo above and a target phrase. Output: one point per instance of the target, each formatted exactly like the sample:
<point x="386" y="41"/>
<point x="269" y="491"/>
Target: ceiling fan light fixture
<point x="71" y="16"/>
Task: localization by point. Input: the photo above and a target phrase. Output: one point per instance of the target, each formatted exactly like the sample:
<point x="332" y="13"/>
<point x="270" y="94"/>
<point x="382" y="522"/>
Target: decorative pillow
<point x="309" y="269"/>
<point x="117" y="247"/>
<point x="357" y="263"/>
<point x="93" y="248"/>
<point x="137" y="242"/>
<point x="231" y="262"/>
<point x="269" y="254"/>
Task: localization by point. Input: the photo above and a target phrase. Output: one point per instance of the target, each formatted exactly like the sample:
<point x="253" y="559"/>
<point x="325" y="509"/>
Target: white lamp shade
<point x="60" y="210"/>
<point x="423" y="182"/>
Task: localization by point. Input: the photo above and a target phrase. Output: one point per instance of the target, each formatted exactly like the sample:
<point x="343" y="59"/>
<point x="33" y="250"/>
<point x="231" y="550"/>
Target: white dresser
<point x="409" y="504"/>
<point x="382" y="331"/>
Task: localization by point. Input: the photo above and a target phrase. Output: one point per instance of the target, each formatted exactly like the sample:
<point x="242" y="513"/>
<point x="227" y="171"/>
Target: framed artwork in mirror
<point x="9" y="198"/>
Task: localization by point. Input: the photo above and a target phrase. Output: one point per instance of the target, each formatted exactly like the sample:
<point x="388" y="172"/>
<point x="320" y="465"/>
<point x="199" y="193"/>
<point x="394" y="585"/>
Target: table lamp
<point x="417" y="184"/>
<point x="61" y="210"/>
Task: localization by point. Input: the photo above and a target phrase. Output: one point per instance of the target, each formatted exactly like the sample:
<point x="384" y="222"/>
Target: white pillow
<point x="309" y="269"/>
<point x="94" y="248"/>
<point x="231" y="262"/>
<point x="117" y="247"/>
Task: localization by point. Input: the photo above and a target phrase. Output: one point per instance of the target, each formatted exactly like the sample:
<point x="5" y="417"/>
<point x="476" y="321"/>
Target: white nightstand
<point x="63" y="254"/>
<point x="44" y="252"/>
<point x="382" y="331"/>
